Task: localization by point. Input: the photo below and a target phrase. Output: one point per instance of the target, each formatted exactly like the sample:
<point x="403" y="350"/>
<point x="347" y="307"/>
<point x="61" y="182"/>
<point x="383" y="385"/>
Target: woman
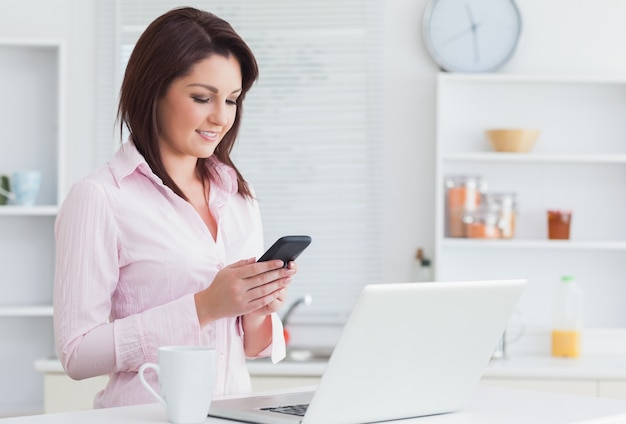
<point x="144" y="243"/>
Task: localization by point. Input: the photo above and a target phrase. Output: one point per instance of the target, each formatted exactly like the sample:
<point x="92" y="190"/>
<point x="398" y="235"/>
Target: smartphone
<point x="286" y="248"/>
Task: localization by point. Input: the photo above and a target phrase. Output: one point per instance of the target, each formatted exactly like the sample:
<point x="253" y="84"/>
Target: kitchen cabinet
<point x="32" y="122"/>
<point x="615" y="389"/>
<point x="600" y="374"/>
<point x="62" y="394"/>
<point x="578" y="163"/>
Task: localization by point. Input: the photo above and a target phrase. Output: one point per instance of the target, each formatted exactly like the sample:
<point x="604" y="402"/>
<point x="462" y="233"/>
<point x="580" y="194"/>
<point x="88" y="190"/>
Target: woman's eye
<point x="205" y="100"/>
<point x="201" y="100"/>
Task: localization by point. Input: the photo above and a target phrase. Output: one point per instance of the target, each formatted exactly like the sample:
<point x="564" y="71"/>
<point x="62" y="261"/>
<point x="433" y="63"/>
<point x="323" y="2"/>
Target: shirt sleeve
<point x="86" y="277"/>
<point x="277" y="349"/>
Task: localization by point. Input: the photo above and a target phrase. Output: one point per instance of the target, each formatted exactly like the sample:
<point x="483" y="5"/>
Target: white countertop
<point x="489" y="405"/>
<point x="596" y="367"/>
<point x="592" y="367"/>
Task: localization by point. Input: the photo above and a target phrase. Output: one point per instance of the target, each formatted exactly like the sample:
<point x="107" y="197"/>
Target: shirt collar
<point x="127" y="160"/>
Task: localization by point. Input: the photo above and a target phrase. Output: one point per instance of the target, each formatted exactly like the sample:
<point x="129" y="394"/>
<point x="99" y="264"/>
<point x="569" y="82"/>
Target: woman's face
<point x="199" y="108"/>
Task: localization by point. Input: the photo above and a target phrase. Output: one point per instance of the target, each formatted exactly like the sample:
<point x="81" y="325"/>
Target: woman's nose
<point x="218" y="115"/>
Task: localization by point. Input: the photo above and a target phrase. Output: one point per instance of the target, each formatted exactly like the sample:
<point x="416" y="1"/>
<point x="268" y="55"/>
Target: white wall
<point x="72" y="21"/>
<point x="408" y="148"/>
<point x="559" y="36"/>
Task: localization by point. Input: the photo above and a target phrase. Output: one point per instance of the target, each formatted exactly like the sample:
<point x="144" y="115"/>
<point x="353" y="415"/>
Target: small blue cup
<point x="25" y="186"/>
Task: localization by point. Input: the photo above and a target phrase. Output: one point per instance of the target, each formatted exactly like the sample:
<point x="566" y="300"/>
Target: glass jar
<point x="462" y="195"/>
<point x="483" y="223"/>
<point x="506" y="203"/>
<point x="559" y="224"/>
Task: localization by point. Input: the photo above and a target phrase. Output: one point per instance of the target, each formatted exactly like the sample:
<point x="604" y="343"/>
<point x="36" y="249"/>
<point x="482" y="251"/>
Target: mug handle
<point x="157" y="369"/>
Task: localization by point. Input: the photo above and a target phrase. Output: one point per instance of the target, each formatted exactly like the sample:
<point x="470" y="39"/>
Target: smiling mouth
<point x="208" y="135"/>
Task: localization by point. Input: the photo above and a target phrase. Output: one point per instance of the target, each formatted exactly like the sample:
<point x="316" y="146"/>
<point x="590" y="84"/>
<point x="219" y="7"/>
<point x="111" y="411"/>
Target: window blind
<point x="311" y="134"/>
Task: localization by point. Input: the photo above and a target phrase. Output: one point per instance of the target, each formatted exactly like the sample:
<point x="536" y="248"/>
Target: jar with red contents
<point x="462" y="195"/>
<point x="559" y="222"/>
<point x="483" y="222"/>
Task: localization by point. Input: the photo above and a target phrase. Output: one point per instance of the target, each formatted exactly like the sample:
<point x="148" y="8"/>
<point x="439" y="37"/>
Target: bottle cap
<point x="567" y="278"/>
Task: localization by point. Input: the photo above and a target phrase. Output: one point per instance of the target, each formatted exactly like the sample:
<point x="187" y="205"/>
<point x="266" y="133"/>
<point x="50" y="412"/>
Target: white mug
<point x="186" y="379"/>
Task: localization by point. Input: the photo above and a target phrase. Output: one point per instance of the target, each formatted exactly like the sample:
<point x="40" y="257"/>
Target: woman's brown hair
<point x="168" y="49"/>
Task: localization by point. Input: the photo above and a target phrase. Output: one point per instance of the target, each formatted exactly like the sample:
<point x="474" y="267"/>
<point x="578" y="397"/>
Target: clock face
<point x="471" y="35"/>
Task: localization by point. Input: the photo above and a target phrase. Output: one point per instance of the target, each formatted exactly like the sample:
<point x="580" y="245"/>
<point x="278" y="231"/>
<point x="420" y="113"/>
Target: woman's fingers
<point x="246" y="286"/>
<point x="270" y="303"/>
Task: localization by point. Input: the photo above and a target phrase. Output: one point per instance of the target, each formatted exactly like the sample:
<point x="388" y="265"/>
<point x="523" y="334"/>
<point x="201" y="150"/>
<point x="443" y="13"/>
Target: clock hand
<point x="468" y="9"/>
<point x="474" y="27"/>
<point x="458" y="35"/>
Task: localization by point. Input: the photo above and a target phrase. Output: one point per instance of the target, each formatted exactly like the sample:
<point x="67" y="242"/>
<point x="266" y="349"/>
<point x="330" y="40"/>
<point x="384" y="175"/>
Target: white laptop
<point x="407" y="350"/>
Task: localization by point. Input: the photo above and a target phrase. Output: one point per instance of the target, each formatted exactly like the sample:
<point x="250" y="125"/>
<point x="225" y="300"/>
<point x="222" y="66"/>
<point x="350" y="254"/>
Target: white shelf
<point x="33" y="84"/>
<point x="534" y="244"/>
<point x="30" y="42"/>
<point x="26" y="311"/>
<point x="50" y="364"/>
<point x="44" y="210"/>
<point x="578" y="163"/>
<point x="534" y="158"/>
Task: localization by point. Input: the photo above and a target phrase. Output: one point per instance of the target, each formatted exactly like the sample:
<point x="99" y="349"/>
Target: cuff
<point x="279" y="349"/>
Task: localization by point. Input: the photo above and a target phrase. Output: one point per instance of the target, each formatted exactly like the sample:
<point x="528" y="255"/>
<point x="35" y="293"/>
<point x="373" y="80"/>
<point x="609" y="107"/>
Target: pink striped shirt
<point x="131" y="254"/>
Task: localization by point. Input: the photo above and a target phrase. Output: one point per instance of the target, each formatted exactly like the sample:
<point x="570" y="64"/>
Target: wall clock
<point x="471" y="35"/>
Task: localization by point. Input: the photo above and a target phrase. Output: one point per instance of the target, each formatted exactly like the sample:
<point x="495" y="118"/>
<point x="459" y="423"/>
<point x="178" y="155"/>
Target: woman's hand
<point x="245" y="287"/>
<point x="281" y="297"/>
<point x="257" y="325"/>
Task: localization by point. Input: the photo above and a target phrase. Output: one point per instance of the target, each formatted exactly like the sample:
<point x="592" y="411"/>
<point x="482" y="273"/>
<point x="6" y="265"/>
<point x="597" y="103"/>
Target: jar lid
<point x="463" y="181"/>
<point x="560" y="211"/>
<point x="502" y="198"/>
<point x="488" y="214"/>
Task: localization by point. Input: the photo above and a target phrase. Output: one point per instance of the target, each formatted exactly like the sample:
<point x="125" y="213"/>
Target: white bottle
<point x="567" y="318"/>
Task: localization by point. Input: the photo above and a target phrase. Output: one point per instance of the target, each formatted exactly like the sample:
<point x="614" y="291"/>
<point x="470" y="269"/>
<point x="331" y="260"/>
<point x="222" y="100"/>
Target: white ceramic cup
<point x="186" y="378"/>
<point x="25" y="187"/>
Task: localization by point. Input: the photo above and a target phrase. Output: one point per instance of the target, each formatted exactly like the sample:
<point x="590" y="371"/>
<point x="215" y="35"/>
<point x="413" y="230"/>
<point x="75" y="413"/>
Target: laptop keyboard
<point x="298" y="410"/>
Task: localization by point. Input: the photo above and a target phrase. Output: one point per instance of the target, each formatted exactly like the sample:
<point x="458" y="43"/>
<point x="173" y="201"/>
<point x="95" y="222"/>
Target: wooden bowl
<point x="512" y="140"/>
